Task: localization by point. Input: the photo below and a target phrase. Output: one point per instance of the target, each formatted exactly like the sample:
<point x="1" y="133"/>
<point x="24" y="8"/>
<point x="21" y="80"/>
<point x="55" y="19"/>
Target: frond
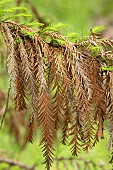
<point x="46" y="121"/>
<point x="14" y="69"/>
<point x="76" y="135"/>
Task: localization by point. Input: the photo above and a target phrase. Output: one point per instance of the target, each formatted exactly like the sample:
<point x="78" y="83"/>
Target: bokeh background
<point x="79" y="16"/>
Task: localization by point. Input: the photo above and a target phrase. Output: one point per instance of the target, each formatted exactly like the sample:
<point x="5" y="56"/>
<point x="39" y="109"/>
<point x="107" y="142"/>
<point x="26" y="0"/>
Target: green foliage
<point x="98" y="29"/>
<point x="95" y="49"/>
<point x="72" y="36"/>
<point x="17" y="15"/>
<point x="48" y="39"/>
<point x="34" y="24"/>
<point x="11" y="10"/>
<point x="28" y="34"/>
<point x="17" y="40"/>
<point x="2" y="6"/>
<point x="58" y="41"/>
<point x="54" y="27"/>
<point x="107" y="68"/>
<point x="4" y="11"/>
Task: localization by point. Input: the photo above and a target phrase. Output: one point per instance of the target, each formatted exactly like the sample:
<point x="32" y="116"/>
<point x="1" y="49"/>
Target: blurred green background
<point x="80" y="16"/>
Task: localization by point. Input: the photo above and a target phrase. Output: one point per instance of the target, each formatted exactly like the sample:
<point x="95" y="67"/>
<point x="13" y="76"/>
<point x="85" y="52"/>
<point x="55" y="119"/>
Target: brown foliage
<point x="60" y="85"/>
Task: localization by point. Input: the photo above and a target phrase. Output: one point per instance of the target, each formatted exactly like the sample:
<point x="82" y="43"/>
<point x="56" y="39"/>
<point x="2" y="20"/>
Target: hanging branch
<point x="61" y="85"/>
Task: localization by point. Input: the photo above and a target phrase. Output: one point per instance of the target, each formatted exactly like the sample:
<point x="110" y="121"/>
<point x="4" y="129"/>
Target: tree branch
<point x="16" y="163"/>
<point x="85" y="161"/>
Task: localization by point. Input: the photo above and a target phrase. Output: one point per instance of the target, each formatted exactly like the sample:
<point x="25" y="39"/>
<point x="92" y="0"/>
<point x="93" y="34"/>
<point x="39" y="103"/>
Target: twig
<point x="101" y="165"/>
<point x="16" y="163"/>
<point x="6" y="108"/>
<point x="21" y="165"/>
<point x="35" y="12"/>
<point x="18" y="2"/>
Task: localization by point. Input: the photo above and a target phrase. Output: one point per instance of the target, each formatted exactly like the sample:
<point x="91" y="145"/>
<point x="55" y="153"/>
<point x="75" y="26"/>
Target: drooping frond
<point x="14" y="69"/>
<point x="56" y="88"/>
<point x="45" y="118"/>
<point x="76" y="134"/>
